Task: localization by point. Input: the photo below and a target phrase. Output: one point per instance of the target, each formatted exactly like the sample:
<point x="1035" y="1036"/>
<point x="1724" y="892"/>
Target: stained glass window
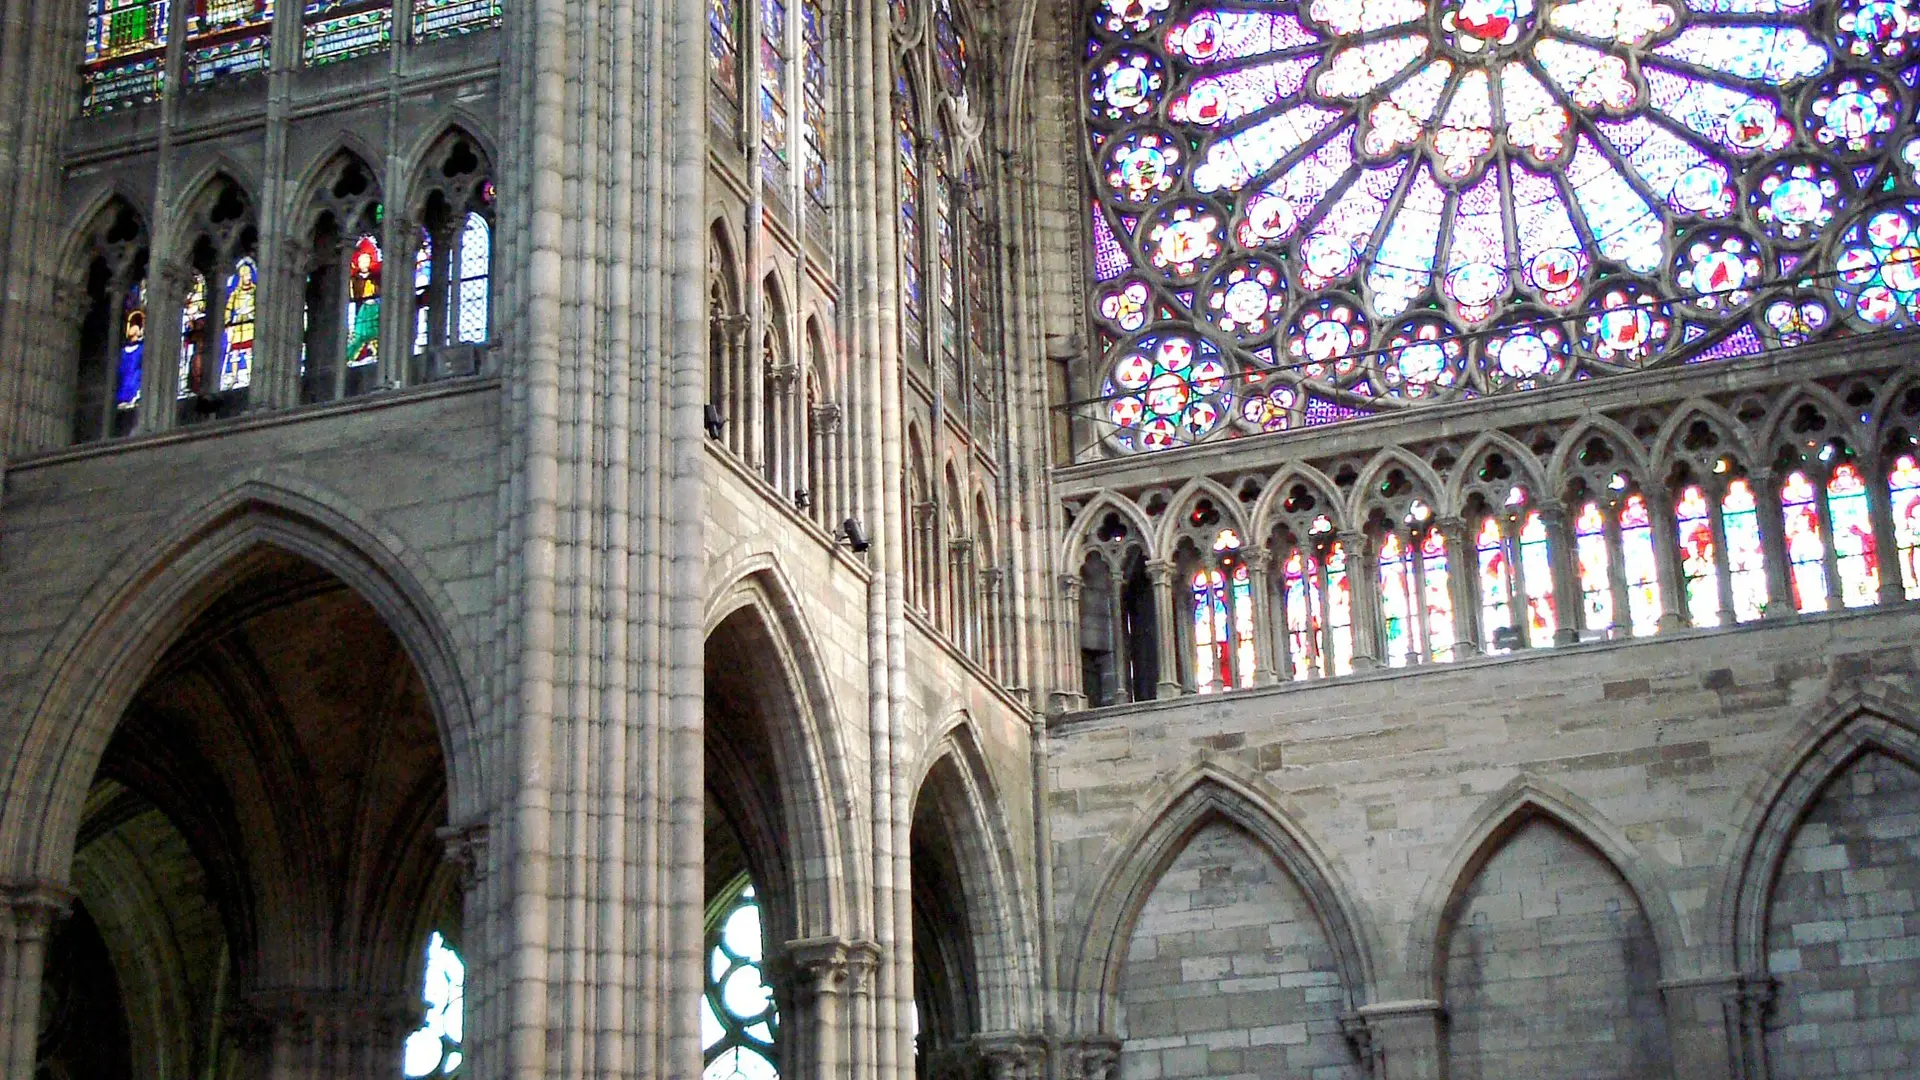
<point x="1357" y="200"/>
<point x="1536" y="572"/>
<point x="131" y="368"/>
<point x="450" y="18"/>
<point x="1496" y="592"/>
<point x="1699" y="565"/>
<point x="423" y="292"/>
<point x="236" y="338"/>
<point x="723" y="47"/>
<point x="1806" y="550"/>
<point x="1415" y="597"/>
<point x="1639" y="566"/>
<point x="813" y="39"/>
<point x="434" y="1047"/>
<point x="471" y="297"/>
<point x="1397" y="599"/>
<point x="363" y="303"/>
<point x="227" y="37"/>
<point x="193" y="336"/>
<point x="1304" y="594"/>
<point x="1903" y="484"/>
<point x="1591" y="554"/>
<point x="738" y="1022"/>
<point x="1746" y="559"/>
<point x="952" y="378"/>
<point x="773" y="91"/>
<point x="1855" y="552"/>
<point x="908" y="140"/>
<point x="125" y="61"/>
<point x="343" y="29"/>
<point x="1223" y="619"/>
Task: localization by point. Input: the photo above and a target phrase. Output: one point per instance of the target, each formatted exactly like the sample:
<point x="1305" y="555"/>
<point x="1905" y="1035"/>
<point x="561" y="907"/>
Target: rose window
<point x="1341" y="207"/>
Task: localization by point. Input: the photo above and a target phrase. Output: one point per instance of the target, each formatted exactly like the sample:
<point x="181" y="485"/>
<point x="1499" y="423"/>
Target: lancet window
<point x="1305" y="213"/>
<point x="112" y="349"/>
<point x="221" y="309"/>
<point x="739" y="1025"/>
<point x="1314" y="594"/>
<point x="345" y="283"/>
<point x="434" y="1048"/>
<point x="1119" y="652"/>
<point x="453" y="259"/>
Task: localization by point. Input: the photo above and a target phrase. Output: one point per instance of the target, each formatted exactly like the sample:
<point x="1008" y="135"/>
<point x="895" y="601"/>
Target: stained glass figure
<point x="1903" y="485"/>
<point x="227" y="38"/>
<point x="1699" y="562"/>
<point x="1746" y="558"/>
<point x="125" y="58"/>
<point x="1591" y="555"/>
<point x="1496" y="589"/>
<point x="907" y="138"/>
<point x="236" y="338"/>
<point x="363" y="303"/>
<point x="1855" y="554"/>
<point x="1437" y="595"/>
<point x="433" y="1050"/>
<point x="132" y="361"/>
<point x="193" y="337"/>
<point x="723" y="47"/>
<point x="1398" y="597"/>
<point x="1223" y="619"/>
<point x="1536" y="571"/>
<point x="337" y="30"/>
<point x="423" y="292"/>
<point x="1339" y="610"/>
<point x="773" y="92"/>
<point x="471" y="288"/>
<point x="1806" y="550"/>
<point x="738" y="1020"/>
<point x="1639" y="566"/>
<point x="1304" y="596"/>
<point x="1602" y="183"/>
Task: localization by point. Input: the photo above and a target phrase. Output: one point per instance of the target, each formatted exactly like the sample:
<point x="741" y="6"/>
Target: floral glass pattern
<point x="1495" y="195"/>
<point x="738" y="1021"/>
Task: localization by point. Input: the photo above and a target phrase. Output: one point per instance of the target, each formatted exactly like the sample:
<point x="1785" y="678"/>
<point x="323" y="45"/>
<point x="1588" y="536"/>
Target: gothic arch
<point x="451" y="120"/>
<point x="1529" y="474"/>
<point x="194" y="188"/>
<point x="100" y="656"/>
<point x="1074" y="550"/>
<point x="1885" y="419"/>
<point x="1268" y="508"/>
<point x="188" y="219"/>
<point x="1523" y="800"/>
<point x="1774" y="430"/>
<point x="1666" y="451"/>
<point x="305" y="185"/>
<point x="1873" y="717"/>
<point x="825" y="876"/>
<point x="78" y="234"/>
<point x="954" y="771"/>
<point x="1212" y="790"/>
<point x="1202" y="487"/>
<point x="1421" y="474"/>
<point x="1615" y="436"/>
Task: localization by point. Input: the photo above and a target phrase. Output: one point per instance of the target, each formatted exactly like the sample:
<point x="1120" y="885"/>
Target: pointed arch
<point x="1589" y="427"/>
<point x="1531" y="475"/>
<point x="1271" y="504"/>
<point x="824" y="872"/>
<point x="310" y="180"/>
<point x="1874" y="716"/>
<point x="1211" y="790"/>
<point x="1419" y="472"/>
<point x="1183" y="501"/>
<point x="83" y="230"/>
<point x="222" y="166"/>
<point x="954" y="772"/>
<point x="1775" y="430"/>
<point x="451" y="120"/>
<point x="90" y="671"/>
<point x="1073" y="549"/>
<point x="1667" y="449"/>
<point x="1522" y="801"/>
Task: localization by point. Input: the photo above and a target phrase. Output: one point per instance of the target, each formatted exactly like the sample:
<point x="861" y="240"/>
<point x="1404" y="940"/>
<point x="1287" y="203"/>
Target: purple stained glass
<point x="1744" y="341"/>
<point x="1109" y="261"/>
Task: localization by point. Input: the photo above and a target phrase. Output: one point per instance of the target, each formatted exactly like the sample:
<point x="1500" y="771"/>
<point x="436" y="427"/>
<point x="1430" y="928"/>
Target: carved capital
<point x="922" y="513"/>
<point x="1011" y="1055"/>
<point x="863" y="959"/>
<point x="1160" y="572"/>
<point x="826" y="417"/>
<point x="1257" y="559"/>
<point x="728" y="328"/>
<point x="960" y="546"/>
<point x="466" y="850"/>
<point x="782" y="376"/>
<point x="33" y="907"/>
<point x="994" y="577"/>
<point x="819" y="965"/>
<point x="71" y="302"/>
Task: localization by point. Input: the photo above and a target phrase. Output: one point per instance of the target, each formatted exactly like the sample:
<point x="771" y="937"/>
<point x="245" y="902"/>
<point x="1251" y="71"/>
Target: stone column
<point x="1266" y="658"/>
<point x="817" y="969"/>
<point x="28" y="911"/>
<point x="828" y="484"/>
<point x="1886" y="539"/>
<point x="62" y="344"/>
<point x="1160" y="572"/>
<point x="323" y="1034"/>
<point x="1072" y="695"/>
<point x="1829" y="552"/>
<point x="1773" y="545"/>
<point x="280" y="329"/>
<point x="1363" y="589"/>
<point x="1398" y="1040"/>
<point x="1666" y="560"/>
<point x="1090" y="1057"/>
<point x="1616" y="572"/>
<point x="1467" y="631"/>
<point x="1011" y="1055"/>
<point x="160" y="382"/>
<point x="1563" y="562"/>
<point x="993" y="623"/>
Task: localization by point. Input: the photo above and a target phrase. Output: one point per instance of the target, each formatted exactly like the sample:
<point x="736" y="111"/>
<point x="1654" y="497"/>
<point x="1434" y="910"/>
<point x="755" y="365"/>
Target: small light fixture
<point x="802" y="498"/>
<point x="855" y="535"/>
<point x="1506" y="638"/>
<point x="714" y="421"/>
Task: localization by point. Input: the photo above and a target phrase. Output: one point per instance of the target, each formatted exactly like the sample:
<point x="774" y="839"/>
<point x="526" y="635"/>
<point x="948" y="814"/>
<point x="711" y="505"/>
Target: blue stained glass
<point x="133" y="348"/>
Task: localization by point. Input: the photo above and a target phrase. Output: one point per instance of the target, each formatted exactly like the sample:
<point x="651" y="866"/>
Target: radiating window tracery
<point x="1357" y="206"/>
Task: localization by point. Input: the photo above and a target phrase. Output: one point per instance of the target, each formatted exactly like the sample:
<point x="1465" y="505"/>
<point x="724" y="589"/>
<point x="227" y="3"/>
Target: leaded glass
<point x="236" y="337"/>
<point x="125" y="56"/>
<point x="1903" y="485"/>
<point x="813" y="80"/>
<point x="131" y="366"/>
<point x="1223" y="619"/>
<point x="1806" y="551"/>
<point x="1495" y="195"/>
<point x="227" y="38"/>
<point x="471" y="284"/>
<point x="1640" y="567"/>
<point x="450" y="18"/>
<point x="193" y="337"/>
<point x="1590" y="552"/>
<point x="907" y="139"/>
<point x="343" y="29"/>
<point x="773" y="91"/>
<point x="1699" y="565"/>
<point x="1746" y="560"/>
<point x="1537" y="572"/>
<point x="423" y="292"/>
<point x="1306" y="610"/>
<point x="363" y="303"/>
<point x="723" y="46"/>
<point x="1496" y="590"/>
<point x="738" y="1020"/>
<point x="1854" y="554"/>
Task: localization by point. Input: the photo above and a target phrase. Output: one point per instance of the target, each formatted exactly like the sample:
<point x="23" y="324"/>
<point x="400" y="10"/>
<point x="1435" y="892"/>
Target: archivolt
<point x="1212" y="790"/>
<point x="107" y="648"/>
